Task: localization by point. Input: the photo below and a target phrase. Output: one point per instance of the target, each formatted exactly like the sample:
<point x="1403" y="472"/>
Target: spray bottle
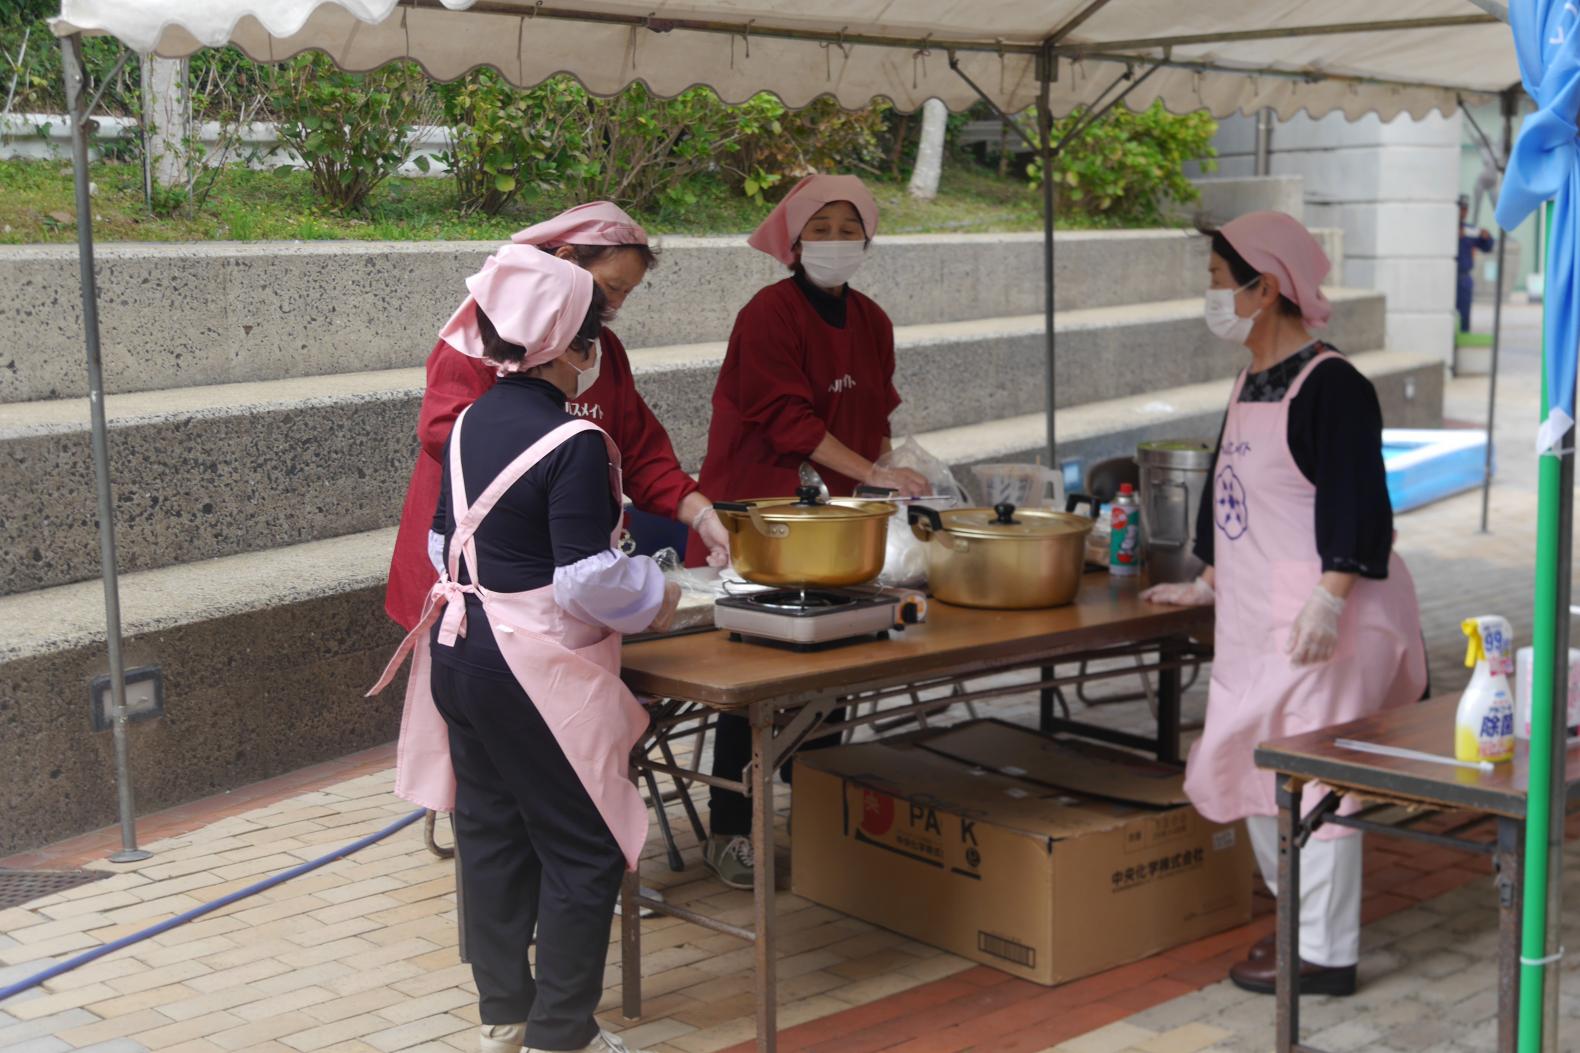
<point x="1484" y="726"/>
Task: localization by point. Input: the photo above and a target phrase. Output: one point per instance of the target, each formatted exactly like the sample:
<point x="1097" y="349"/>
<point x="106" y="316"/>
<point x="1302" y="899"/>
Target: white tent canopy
<point x="1418" y="59"/>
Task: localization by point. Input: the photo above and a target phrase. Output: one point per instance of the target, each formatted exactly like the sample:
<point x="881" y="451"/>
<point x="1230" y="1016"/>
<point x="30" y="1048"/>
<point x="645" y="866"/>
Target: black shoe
<point x="1261" y="977"/>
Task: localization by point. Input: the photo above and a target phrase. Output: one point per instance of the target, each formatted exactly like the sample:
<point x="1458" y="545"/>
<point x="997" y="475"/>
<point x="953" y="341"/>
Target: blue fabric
<point x="1545" y="166"/>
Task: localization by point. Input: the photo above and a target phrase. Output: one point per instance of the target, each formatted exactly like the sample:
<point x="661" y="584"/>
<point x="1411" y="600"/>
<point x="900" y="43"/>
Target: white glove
<point x="907" y="482"/>
<point x="436" y="551"/>
<point x="1316" y="631"/>
<point x="1184" y="594"/>
<point x="706" y="524"/>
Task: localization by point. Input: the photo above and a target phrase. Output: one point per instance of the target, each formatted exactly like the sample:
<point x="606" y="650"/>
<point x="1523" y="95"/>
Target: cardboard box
<point x="1049" y="858"/>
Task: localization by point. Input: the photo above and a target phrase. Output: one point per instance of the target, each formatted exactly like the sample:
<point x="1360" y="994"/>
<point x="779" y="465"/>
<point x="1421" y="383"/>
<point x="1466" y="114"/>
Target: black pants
<point x="729" y="813"/>
<point x="536" y="857"/>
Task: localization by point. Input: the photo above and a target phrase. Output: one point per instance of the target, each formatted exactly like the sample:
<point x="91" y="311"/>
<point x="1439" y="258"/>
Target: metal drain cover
<point x="19" y="886"/>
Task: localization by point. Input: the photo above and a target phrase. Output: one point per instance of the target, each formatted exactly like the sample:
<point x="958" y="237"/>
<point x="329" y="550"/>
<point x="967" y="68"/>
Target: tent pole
<point x="1046" y="72"/>
<point x="1508" y="103"/>
<point x="71" y="55"/>
<point x="1545" y="794"/>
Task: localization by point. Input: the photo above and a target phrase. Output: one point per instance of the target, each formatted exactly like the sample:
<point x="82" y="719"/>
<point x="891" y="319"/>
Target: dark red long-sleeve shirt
<point x="653" y="478"/>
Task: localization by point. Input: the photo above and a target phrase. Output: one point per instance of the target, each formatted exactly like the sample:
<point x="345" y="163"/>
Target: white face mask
<point x="587" y="377"/>
<point x="830" y="264"/>
<point x="1221" y="316"/>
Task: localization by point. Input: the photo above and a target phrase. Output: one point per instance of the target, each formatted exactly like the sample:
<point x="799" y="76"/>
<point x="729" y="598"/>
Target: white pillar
<point x="930" y="153"/>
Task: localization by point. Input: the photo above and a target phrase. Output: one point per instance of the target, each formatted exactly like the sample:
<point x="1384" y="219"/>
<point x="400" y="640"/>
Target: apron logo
<point x="844" y="383"/>
<point x="1230" y="510"/>
<point x="589" y="410"/>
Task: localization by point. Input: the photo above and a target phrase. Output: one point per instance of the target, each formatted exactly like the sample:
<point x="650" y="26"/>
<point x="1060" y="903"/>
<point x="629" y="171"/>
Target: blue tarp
<point x="1545" y="166"/>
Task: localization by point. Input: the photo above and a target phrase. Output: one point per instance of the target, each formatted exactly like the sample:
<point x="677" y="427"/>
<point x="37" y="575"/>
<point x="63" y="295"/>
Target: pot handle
<point x="752" y="512"/>
<point x="1075" y="501"/>
<point x="925" y="522"/>
<point x="729" y="522"/>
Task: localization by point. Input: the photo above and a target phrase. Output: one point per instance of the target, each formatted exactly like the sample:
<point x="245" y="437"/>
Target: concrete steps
<point x="262" y="407"/>
<point x="190" y="315"/>
<point x="212" y="471"/>
<point x="265" y="658"/>
<point x="1409" y="386"/>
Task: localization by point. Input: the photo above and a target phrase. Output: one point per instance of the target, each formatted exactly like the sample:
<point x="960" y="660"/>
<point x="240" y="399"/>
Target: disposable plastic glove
<point x="1184" y="594"/>
<point x="712" y="532"/>
<point x="907" y="482"/>
<point x="1316" y="631"/>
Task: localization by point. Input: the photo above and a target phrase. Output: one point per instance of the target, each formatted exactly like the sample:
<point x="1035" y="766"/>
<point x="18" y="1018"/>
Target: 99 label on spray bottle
<point x="1123" y="541"/>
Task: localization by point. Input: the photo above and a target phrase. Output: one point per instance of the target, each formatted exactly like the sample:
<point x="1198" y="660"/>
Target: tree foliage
<point x="1129" y="165"/>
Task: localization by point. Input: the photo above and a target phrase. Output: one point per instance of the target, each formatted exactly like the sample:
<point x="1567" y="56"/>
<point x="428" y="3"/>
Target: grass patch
<point x="1472" y="339"/>
<point x="37" y="206"/>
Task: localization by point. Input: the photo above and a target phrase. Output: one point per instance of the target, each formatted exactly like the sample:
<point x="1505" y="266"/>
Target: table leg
<point x="1288" y="923"/>
<point x="1169" y="682"/>
<point x="762" y="783"/>
<point x="1045" y="700"/>
<point x="1508" y="863"/>
<point x="630" y="946"/>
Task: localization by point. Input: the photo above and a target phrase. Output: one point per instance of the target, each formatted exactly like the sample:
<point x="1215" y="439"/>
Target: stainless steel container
<point x="1174" y="476"/>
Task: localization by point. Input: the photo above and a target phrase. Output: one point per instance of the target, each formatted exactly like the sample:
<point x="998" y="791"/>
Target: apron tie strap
<point x="447" y="594"/>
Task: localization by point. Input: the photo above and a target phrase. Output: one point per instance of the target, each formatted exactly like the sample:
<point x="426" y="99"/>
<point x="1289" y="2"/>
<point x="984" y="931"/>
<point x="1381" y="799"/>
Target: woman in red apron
<point x="808" y="376"/>
<point x="516" y="720"/>
<point x="1316" y="620"/>
<point x="614" y="250"/>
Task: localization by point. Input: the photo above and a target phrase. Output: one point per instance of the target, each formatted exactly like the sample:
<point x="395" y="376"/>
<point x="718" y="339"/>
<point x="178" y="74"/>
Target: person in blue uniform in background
<point x="1471" y="240"/>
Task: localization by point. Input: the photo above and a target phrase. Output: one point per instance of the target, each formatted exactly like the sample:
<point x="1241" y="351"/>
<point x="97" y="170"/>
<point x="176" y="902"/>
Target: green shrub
<point x="350" y="130"/>
<point x="1126" y="167"/>
<point x="644" y="151"/>
<point x="820" y="137"/>
<point x="502" y="139"/>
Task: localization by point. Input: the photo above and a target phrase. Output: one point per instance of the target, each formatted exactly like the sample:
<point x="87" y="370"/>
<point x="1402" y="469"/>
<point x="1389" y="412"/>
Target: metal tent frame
<point x="1153" y="52"/>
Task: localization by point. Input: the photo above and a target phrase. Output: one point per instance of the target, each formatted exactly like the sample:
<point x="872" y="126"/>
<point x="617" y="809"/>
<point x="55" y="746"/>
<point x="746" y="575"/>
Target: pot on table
<point x="806" y="541"/>
<point x="1004" y="557"/>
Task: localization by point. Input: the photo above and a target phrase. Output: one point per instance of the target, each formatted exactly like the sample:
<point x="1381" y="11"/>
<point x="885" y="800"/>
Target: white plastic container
<point x="1022" y="485"/>
<point x="1524" y="659"/>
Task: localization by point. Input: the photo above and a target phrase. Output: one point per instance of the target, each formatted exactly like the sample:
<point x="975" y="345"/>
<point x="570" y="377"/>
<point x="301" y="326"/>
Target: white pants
<point x="1330" y="891"/>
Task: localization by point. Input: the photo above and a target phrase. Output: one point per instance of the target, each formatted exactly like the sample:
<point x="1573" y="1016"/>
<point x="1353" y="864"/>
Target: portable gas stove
<point x="811" y="619"/>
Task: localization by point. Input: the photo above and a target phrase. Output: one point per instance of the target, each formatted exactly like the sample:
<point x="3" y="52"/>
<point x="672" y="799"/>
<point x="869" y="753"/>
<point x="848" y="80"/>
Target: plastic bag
<point x="908" y="453"/>
<point x="905" y="558"/>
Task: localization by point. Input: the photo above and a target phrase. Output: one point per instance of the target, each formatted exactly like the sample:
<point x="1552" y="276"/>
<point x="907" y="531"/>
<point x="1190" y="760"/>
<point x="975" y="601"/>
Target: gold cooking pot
<point x="805" y="542"/>
<point x="1003" y="557"/>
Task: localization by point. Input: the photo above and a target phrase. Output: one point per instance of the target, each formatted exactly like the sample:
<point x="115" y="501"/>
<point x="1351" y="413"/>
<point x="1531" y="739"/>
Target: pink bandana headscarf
<point x="779" y="232"/>
<point x="1278" y="244"/>
<point x="595" y="223"/>
<point x="534" y="299"/>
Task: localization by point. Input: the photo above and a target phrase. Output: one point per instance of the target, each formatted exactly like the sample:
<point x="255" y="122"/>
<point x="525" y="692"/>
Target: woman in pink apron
<point x="516" y="721"/>
<point x="1317" y="622"/>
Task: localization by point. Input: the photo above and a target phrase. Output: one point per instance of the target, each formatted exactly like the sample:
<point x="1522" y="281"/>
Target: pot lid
<point x="790" y="509"/>
<point x="1007" y="521"/>
<point x="1176" y="453"/>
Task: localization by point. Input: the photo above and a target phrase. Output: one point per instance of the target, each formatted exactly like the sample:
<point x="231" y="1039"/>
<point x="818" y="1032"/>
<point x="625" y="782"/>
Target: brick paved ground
<point x="361" y="955"/>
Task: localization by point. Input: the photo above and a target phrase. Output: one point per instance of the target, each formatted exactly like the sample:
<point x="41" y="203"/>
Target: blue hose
<point x="197" y="912"/>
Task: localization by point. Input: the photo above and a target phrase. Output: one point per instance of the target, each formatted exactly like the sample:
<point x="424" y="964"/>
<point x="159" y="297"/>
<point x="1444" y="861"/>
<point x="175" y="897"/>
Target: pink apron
<point x="569" y="668"/>
<point x="1266" y="564"/>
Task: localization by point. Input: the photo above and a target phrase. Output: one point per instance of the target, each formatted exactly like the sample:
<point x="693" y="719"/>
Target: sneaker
<point x="501" y="1038"/>
<point x="604" y="1043"/>
<point x="731" y="859"/>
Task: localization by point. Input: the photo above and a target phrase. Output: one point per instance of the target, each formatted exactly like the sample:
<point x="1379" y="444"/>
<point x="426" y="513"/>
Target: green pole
<point x="1544" y="798"/>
